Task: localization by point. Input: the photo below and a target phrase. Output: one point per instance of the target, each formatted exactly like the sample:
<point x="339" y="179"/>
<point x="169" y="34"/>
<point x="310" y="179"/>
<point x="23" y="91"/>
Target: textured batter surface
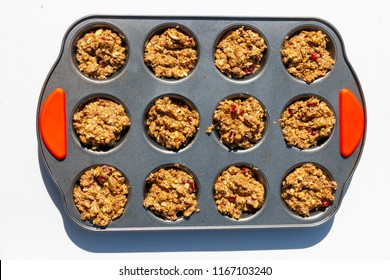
<point x="239" y="122"/>
<point x="100" y="123"/>
<point x="172" y="124"/>
<point x="307" y="189"/>
<point x="171" y="193"/>
<point x="171" y="54"/>
<point x="237" y="191"/>
<point x="101" y="195"/>
<point x="100" y="53"/>
<point x="239" y="53"/>
<point x="306" y="56"/>
<point x="305" y="122"/>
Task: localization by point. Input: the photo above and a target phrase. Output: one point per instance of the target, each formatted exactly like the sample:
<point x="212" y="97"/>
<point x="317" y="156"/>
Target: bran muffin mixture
<point x="171" y="54"/>
<point x="306" y="122"/>
<point x="306" y="56"/>
<point x="307" y="189"/>
<point x="100" y="123"/>
<point x="237" y="191"/>
<point x="172" y="124"/>
<point x="171" y="193"/>
<point x="100" y="53"/>
<point x="101" y="195"/>
<point x="239" y="53"/>
<point x="239" y="122"/>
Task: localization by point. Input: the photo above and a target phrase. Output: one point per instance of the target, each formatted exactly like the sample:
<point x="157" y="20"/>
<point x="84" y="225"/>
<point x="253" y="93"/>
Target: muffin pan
<point x="136" y="155"/>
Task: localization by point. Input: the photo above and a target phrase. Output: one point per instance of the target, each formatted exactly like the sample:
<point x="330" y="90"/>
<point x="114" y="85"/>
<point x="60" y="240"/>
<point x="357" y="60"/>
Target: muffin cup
<point x="262" y="62"/>
<point x="93" y="28"/>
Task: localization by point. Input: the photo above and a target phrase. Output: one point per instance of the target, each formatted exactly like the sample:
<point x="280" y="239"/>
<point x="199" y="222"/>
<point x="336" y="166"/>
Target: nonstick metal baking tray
<point x="137" y="155"/>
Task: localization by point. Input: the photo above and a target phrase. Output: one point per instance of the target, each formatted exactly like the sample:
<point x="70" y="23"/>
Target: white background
<point x="33" y="224"/>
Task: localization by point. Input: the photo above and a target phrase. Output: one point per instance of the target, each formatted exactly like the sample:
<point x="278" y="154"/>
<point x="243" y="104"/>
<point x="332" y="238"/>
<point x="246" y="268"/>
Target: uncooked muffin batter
<point x="239" y="53"/>
<point x="171" y="54"/>
<point x="307" y="189"/>
<point x="239" y="122"/>
<point x="171" y="193"/>
<point x="237" y="191"/>
<point x="100" y="123"/>
<point x="305" y="122"/>
<point x="100" y="53"/>
<point x="306" y="56"/>
<point x="172" y="124"/>
<point x="101" y="195"/>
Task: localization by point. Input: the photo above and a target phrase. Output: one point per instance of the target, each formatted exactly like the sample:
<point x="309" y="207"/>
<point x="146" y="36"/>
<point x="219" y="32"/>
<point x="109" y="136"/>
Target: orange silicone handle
<point x="52" y="123"/>
<point x="352" y="123"/>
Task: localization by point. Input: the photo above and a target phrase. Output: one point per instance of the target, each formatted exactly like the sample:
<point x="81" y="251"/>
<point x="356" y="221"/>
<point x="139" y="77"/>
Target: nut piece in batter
<point x="172" y="124"/>
<point x="171" y="193"/>
<point x="306" y="122"/>
<point x="239" y="122"/>
<point x="239" y="53"/>
<point x="171" y="54"/>
<point x="238" y="191"/>
<point x="101" y="195"/>
<point x="100" y="123"/>
<point x="307" y="189"/>
<point x="100" y="53"/>
<point x="306" y="56"/>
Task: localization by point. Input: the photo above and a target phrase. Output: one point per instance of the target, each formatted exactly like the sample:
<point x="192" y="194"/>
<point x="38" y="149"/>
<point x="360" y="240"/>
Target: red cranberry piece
<point x="100" y="179"/>
<point x="250" y="69"/>
<point x="191" y="188"/>
<point x="325" y="203"/>
<point x="312" y="104"/>
<point x="314" y="56"/>
<point x="250" y="48"/>
<point x="310" y="130"/>
<point x="232" y="133"/>
<point x="291" y="112"/>
<point x="233" y="109"/>
<point x="232" y="198"/>
<point x="241" y="112"/>
<point x="244" y="170"/>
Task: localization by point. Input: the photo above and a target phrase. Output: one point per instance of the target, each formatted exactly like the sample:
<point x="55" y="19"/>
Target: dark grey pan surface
<point x="136" y="87"/>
